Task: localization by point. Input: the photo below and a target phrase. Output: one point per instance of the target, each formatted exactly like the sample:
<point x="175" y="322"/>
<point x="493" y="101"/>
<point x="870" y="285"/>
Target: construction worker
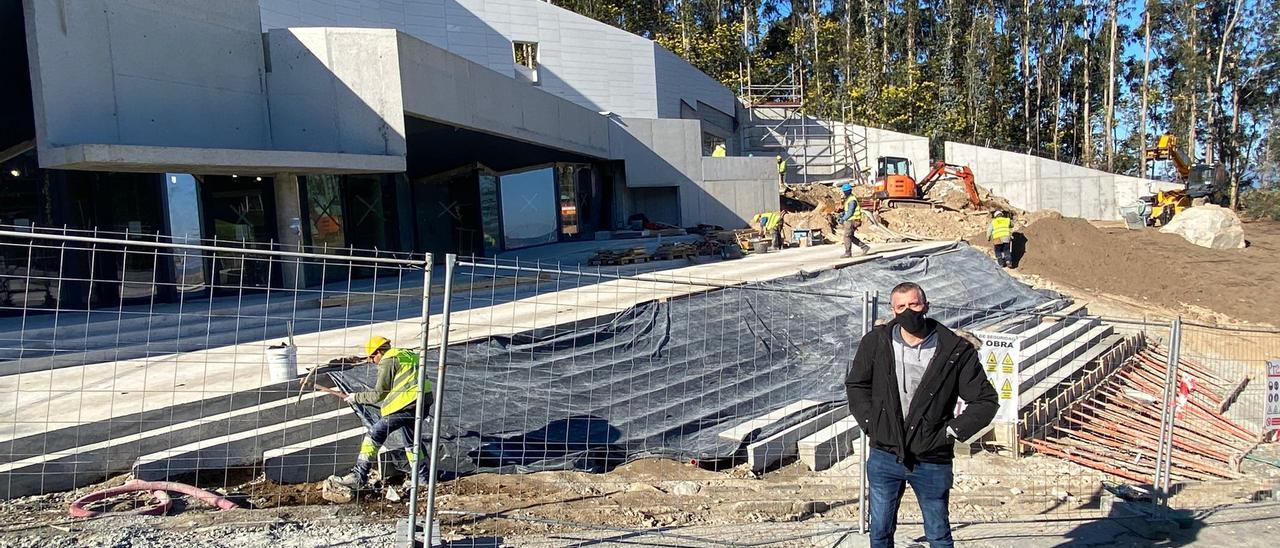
<point x="719" y="151"/>
<point x="782" y="169"/>
<point x="851" y="219"/>
<point x="1001" y="234"/>
<point x="395" y="393"/>
<point x="769" y="224"/>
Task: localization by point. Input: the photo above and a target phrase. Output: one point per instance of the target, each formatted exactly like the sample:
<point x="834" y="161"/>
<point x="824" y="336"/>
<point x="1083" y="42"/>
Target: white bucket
<point x="282" y="363"/>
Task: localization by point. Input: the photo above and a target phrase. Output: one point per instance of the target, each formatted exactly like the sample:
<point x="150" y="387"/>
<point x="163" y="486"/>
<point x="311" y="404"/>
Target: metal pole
<point x="449" y="261"/>
<point x="868" y="322"/>
<point x="1164" y="449"/>
<point x="422" y="388"/>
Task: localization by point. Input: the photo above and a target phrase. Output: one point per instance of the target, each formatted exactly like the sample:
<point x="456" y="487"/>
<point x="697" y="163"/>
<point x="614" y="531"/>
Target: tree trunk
<point x="1087" y="157"/>
<point x="1146" y="79"/>
<point x="1057" y="100"/>
<point x="909" y="57"/>
<point x="1215" y="87"/>
<point x="1026" y="72"/>
<point x="1234" y="201"/>
<point x="1109" y="138"/>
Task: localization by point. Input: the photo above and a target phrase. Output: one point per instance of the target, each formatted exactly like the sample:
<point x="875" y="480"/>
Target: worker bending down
<point x="851" y="219"/>
<point x="769" y="224"/>
<point x="1001" y="235"/>
<point x="395" y="392"/>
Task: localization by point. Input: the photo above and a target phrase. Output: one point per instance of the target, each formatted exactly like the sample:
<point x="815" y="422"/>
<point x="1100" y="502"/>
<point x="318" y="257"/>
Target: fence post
<point x="1164" y="448"/>
<point x="868" y="322"/>
<point x="418" y="407"/>
<point x="450" y="261"/>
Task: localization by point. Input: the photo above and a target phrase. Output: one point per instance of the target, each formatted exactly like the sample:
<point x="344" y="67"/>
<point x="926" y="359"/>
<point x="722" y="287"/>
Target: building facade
<point x="467" y="126"/>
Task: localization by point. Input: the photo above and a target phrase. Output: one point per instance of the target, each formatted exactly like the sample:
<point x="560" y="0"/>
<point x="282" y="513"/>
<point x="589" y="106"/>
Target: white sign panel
<point x="1273" y="399"/>
<point x="1000" y="357"/>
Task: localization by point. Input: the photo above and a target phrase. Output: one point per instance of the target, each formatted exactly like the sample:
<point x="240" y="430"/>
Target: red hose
<point x="160" y="489"/>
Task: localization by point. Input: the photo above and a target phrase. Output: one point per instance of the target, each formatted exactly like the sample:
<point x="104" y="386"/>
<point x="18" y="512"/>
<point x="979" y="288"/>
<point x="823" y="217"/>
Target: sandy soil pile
<point x="1162" y="269"/>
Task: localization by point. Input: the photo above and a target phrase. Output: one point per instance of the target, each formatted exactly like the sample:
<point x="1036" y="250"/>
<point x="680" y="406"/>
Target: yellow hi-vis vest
<point x="1000" y="229"/>
<point x="404" y="386"/>
<point x="857" y="208"/>
<point x="772" y="220"/>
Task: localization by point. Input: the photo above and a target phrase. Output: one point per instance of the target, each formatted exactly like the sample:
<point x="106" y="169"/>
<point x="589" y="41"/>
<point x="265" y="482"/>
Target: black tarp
<point x="664" y="378"/>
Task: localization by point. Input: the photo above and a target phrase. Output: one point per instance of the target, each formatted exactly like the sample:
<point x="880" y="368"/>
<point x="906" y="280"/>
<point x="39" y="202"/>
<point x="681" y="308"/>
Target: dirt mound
<point x="1162" y="269"/>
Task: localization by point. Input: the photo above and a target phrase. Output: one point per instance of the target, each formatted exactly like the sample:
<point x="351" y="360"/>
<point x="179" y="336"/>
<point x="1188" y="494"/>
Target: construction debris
<point x="1208" y="226"/>
<point x="1115" y="427"/>
<point x="619" y="257"/>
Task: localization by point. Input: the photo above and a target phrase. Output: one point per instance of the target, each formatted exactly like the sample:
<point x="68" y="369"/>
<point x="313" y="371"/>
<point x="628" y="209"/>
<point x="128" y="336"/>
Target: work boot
<point x="351" y="480"/>
<point x="865" y="249"/>
<point x="846" y="255"/>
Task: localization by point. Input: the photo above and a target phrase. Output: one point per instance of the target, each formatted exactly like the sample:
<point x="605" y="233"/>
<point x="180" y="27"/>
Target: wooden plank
<point x="830" y="445"/>
<point x="774" y="448"/>
<point x="742" y="430"/>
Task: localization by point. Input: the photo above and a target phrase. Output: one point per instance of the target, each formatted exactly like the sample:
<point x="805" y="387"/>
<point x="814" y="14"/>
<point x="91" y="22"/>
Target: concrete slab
<point x="315" y="459"/>
<point x="94" y="462"/>
<point x="830" y="445"/>
<point x="241" y="449"/>
<point x="741" y="431"/>
<point x="767" y="451"/>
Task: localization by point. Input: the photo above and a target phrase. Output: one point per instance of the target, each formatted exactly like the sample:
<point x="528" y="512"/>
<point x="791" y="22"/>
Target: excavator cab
<point x="893" y="179"/>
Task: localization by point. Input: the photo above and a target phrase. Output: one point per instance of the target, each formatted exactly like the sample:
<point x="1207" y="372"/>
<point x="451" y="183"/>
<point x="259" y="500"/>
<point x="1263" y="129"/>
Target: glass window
<point x="529" y="204"/>
<point x="182" y="193"/>
<point x="324" y="211"/>
<point x="569" y="225"/>
<point x="490" y="219"/>
<point x="237" y="209"/>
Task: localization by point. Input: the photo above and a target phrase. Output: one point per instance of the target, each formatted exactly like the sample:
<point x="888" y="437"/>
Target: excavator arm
<point x="1167" y="149"/>
<point x="960" y="172"/>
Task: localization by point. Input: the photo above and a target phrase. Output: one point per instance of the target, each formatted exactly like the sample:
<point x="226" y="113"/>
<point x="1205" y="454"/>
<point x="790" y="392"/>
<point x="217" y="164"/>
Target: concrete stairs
<point x="226" y="430"/>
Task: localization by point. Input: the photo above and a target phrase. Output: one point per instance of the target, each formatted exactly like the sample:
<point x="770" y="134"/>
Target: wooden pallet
<point x="618" y="258"/>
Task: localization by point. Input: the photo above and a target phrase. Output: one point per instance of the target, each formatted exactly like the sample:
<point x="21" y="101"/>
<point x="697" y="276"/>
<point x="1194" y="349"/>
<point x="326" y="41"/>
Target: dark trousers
<point x="849" y="237"/>
<point x="887" y="479"/>
<point x="775" y="238"/>
<point x="378" y="434"/>
<point x="1004" y="253"/>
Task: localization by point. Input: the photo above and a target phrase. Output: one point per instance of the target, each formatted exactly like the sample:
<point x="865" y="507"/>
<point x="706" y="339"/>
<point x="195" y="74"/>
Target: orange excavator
<point x="896" y="188"/>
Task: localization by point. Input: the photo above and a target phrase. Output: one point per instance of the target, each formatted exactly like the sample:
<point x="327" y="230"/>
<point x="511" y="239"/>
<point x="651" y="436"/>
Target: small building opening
<point x="526" y="57"/>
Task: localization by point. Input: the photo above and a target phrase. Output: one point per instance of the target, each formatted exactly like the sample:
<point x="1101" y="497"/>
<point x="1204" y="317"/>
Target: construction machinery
<point x="1197" y="179"/>
<point x="896" y="188"/>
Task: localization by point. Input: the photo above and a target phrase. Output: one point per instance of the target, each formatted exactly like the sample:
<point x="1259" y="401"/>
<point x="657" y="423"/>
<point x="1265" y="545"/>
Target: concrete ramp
<point x="315" y="459"/>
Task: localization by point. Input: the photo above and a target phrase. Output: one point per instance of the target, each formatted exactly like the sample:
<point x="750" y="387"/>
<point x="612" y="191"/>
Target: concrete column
<point x="289" y="227"/>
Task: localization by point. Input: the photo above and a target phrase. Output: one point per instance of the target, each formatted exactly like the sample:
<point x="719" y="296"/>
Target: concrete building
<point x="469" y="126"/>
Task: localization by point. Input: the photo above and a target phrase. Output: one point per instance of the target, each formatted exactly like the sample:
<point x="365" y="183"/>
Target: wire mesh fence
<point x="701" y="405"/>
<point x="180" y="360"/>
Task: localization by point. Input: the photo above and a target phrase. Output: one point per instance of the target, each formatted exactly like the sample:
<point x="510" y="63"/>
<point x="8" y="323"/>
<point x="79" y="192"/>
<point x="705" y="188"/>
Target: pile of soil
<point x="1162" y="269"/>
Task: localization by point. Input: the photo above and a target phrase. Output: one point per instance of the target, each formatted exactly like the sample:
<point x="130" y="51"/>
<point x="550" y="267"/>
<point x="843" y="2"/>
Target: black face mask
<point x="913" y="322"/>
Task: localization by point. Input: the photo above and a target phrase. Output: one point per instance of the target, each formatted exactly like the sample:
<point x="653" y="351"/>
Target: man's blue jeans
<point x="887" y="479"/>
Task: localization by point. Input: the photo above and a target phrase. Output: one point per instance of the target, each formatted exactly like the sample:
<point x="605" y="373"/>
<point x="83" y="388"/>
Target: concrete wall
<point x="883" y="142"/>
<point x="442" y="86"/>
<point x="667" y="153"/>
<point x="818" y="147"/>
<point x="146" y="73"/>
<point x="1033" y="183"/>
<point x="580" y="59"/>
<point x="336" y="90"/>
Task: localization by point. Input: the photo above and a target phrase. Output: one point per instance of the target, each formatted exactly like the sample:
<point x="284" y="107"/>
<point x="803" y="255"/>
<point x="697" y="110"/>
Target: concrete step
<point x="1033" y="353"/>
<point x="1045" y="328"/>
<point x="96" y="461"/>
<point x="1046" y="366"/>
<point x="314" y="459"/>
<point x="742" y="430"/>
<point x="67" y="438"/>
<point x="832" y="444"/>
<point x="1029" y="395"/>
<point x="784" y="444"/>
<point x="240" y="449"/>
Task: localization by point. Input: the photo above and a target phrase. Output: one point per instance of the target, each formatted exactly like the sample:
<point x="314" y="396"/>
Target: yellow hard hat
<point x="375" y="342"/>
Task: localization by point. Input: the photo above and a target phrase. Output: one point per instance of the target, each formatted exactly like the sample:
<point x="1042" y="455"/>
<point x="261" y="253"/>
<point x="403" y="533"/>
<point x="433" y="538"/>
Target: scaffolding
<point x="815" y="150"/>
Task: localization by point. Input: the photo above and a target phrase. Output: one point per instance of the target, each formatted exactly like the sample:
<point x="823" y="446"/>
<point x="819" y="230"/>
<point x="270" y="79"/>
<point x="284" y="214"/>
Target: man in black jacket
<point x="902" y="389"/>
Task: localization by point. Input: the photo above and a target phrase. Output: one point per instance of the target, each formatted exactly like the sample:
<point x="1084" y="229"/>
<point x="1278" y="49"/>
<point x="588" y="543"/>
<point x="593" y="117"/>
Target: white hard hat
<point x="999" y="213"/>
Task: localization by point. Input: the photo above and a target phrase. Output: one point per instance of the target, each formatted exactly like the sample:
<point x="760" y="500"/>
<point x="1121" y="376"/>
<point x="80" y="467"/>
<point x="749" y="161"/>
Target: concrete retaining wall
<point x="1033" y="183"/>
